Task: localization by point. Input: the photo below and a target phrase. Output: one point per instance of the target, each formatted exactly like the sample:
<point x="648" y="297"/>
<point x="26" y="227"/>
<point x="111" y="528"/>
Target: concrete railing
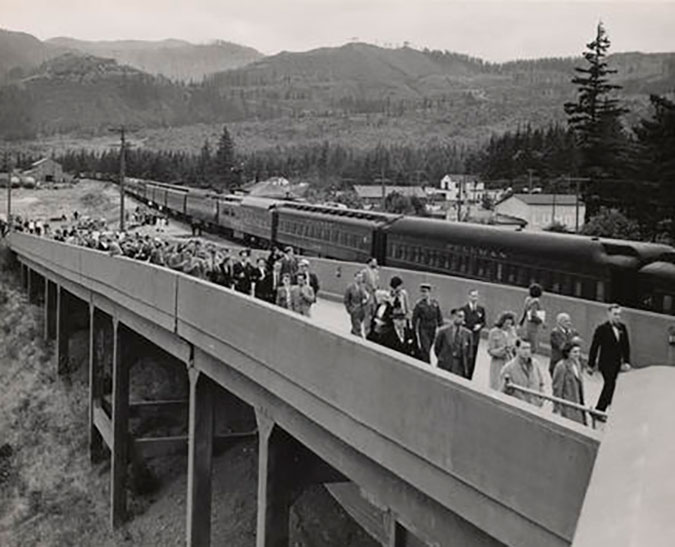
<point x="517" y="473"/>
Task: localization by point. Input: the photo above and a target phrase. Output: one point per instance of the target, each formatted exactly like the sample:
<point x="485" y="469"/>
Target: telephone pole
<point x="123" y="147"/>
<point x="8" y="163"/>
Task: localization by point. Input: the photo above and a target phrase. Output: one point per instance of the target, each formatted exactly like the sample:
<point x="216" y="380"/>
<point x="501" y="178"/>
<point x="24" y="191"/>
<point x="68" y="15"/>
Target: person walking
<point x="284" y="297"/>
<point x="399" y="296"/>
<point x="243" y="272"/>
<point x="474" y="320"/>
<point x="568" y="383"/>
<point x="610" y="351"/>
<point x="304" y="268"/>
<point x="453" y="345"/>
<point x="371" y="282"/>
<point x="501" y="345"/>
<point x="533" y="317"/>
<point x="561" y="335"/>
<point x="302" y="296"/>
<point x="400" y="337"/>
<point x="522" y="371"/>
<point x="426" y="320"/>
<point x="356" y="299"/>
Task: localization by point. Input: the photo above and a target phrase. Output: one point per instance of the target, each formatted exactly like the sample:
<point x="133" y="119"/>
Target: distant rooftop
<point x="375" y="191"/>
<point x="545" y="199"/>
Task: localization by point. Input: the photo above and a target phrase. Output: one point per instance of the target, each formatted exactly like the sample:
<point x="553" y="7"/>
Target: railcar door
<point x="379" y="246"/>
<point x="624" y="288"/>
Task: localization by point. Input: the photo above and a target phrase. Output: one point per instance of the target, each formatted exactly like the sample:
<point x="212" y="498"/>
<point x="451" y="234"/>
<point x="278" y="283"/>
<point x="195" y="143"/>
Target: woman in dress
<point x="533" y="316"/>
<point x="568" y="383"/>
<point x="501" y="345"/>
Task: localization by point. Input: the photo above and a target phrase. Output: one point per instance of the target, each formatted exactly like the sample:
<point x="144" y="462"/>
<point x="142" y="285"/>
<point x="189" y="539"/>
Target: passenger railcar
<point x="632" y="273"/>
<point x="175" y="201"/>
<point x="255" y="220"/>
<point x="562" y="264"/>
<point x="342" y="234"/>
<point x="202" y="207"/>
<point x="228" y="217"/>
<point x="656" y="285"/>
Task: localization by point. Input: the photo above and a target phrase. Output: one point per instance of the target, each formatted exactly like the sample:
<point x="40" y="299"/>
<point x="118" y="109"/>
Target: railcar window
<point x="600" y="291"/>
<point x="577" y="287"/>
<point x="523" y="276"/>
<point x="668" y="303"/>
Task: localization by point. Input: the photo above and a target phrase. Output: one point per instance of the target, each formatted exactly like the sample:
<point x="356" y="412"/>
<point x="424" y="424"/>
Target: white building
<point x="542" y="210"/>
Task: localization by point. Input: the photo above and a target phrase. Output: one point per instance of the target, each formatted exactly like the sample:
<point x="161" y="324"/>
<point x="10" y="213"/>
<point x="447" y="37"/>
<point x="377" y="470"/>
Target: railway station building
<point x="542" y="210"/>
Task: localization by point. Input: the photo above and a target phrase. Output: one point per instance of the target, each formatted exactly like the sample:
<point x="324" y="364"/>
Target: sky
<point x="496" y="30"/>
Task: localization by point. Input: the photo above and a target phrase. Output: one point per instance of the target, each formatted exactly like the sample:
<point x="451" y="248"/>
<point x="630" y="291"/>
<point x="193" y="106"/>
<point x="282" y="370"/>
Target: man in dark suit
<point x="562" y="334"/>
<point x="611" y="348"/>
<point x="474" y="320"/>
<point x="260" y="277"/>
<point x="454" y="345"/>
<point x="243" y="272"/>
<point x="303" y="267"/>
<point x="400" y="338"/>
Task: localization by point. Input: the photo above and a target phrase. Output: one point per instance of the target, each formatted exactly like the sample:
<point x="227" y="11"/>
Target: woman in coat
<point x="533" y="316"/>
<point x="568" y="383"/>
<point x="501" y="345"/>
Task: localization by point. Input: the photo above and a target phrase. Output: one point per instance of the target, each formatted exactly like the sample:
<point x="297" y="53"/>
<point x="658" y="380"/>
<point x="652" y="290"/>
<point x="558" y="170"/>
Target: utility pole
<point x="460" y="194"/>
<point x="578" y="181"/>
<point x="8" y="163"/>
<point x="123" y="147"/>
<point x="553" y="212"/>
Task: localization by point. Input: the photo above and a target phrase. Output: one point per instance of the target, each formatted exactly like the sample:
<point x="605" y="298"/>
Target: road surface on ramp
<point x="332" y="315"/>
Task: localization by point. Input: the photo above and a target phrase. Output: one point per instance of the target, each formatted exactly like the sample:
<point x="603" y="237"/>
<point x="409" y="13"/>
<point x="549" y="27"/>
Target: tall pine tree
<point x="596" y="115"/>
<point x="224" y="166"/>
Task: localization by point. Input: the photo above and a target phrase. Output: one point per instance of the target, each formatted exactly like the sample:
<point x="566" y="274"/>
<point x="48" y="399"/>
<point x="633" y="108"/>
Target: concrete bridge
<point x="451" y="463"/>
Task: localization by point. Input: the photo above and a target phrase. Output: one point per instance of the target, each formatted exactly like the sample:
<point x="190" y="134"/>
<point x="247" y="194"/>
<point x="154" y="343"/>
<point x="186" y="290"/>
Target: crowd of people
<point x="385" y="316"/>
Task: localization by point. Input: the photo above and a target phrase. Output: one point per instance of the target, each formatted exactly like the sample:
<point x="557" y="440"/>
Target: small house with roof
<point x="542" y="210"/>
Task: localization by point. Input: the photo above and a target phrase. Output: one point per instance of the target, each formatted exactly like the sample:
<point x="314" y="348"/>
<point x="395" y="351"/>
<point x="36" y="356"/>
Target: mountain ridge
<point x="450" y="95"/>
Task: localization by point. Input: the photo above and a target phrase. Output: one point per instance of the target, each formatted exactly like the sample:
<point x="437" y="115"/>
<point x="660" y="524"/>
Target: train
<point x="633" y="274"/>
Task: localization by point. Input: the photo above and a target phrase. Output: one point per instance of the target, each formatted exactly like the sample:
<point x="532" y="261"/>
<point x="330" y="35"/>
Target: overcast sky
<point x="496" y="30"/>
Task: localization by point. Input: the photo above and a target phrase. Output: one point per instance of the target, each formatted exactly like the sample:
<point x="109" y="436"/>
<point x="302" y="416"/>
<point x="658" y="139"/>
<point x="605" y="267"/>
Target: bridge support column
<point x="200" y="456"/>
<point x="95" y="387"/>
<point x="51" y="291"/>
<point x="276" y="491"/>
<point x="120" y="425"/>
<point x="24" y="276"/>
<point x="397" y="533"/>
<point x="29" y="284"/>
<point x="62" y="330"/>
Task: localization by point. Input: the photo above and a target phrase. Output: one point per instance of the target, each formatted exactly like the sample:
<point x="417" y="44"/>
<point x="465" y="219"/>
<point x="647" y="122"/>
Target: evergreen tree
<point x="224" y="165"/>
<point x="656" y="140"/>
<point x="596" y="115"/>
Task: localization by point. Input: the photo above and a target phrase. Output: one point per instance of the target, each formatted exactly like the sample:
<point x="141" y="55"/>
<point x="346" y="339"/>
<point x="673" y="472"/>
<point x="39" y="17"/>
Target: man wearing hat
<point x="453" y="345"/>
<point x="243" y="272"/>
<point x="400" y="337"/>
<point x="426" y="319"/>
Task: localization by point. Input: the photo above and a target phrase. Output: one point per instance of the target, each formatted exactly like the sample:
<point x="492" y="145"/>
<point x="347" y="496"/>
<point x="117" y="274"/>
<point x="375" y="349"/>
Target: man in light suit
<point x="611" y="349"/>
<point x="356" y="300"/>
<point x="302" y="295"/>
<point x="454" y="345"/>
<point x="474" y="320"/>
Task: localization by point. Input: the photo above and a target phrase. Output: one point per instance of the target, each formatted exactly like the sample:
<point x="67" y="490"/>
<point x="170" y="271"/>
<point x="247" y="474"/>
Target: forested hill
<point x="426" y="94"/>
<point x="175" y="59"/>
